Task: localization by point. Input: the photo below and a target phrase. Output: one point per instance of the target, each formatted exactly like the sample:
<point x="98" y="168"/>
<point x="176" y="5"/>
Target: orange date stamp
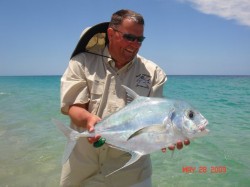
<point x="204" y="169"/>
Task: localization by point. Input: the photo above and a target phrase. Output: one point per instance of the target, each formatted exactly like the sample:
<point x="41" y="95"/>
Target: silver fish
<point x="143" y="126"/>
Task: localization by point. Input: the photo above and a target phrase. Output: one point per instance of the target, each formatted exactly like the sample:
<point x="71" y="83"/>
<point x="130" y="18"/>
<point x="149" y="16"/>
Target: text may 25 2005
<point x="204" y="169"/>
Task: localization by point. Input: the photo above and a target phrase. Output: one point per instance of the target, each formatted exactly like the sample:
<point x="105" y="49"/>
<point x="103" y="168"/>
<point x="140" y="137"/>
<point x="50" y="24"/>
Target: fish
<point x="143" y="126"/>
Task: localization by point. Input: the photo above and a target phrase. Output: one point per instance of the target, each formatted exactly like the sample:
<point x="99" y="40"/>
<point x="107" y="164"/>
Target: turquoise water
<point x="31" y="146"/>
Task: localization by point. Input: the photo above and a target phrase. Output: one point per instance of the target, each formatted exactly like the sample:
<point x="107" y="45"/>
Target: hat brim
<point x="85" y="38"/>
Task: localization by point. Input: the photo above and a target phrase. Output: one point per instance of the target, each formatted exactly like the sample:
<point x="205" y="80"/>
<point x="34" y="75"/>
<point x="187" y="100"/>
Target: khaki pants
<point x="88" y="167"/>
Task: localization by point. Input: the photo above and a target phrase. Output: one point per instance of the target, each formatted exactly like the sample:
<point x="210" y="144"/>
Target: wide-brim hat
<point x="92" y="38"/>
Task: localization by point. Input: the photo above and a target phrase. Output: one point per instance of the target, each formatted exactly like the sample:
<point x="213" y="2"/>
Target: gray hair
<point x="120" y="15"/>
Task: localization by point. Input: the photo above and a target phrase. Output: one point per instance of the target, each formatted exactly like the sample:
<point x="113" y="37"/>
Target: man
<point x="91" y="89"/>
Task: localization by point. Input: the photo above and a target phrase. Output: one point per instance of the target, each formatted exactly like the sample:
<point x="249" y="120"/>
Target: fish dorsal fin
<point x="134" y="157"/>
<point x="158" y="128"/>
<point x="131" y="95"/>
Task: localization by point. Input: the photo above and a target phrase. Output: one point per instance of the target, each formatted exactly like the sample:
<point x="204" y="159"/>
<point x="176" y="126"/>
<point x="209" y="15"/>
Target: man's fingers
<point x="164" y="150"/>
<point x="171" y="147"/>
<point x="186" y="142"/>
<point x="94" y="139"/>
<point x="179" y="145"/>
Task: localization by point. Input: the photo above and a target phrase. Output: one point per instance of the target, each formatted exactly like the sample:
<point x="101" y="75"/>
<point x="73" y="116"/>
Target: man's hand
<point x="91" y="122"/>
<point x="83" y="118"/>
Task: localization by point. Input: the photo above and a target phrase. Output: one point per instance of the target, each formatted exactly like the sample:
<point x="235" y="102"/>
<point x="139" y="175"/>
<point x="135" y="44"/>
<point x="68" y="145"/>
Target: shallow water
<point x="31" y="146"/>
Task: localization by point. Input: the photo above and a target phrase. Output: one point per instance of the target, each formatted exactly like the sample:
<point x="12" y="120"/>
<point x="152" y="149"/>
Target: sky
<point x="184" y="37"/>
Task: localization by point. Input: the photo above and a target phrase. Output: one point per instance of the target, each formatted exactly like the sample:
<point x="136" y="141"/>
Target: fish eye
<point x="191" y="114"/>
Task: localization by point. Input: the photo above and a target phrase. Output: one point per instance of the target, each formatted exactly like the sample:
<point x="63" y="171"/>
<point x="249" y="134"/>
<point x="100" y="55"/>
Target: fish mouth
<point x="203" y="126"/>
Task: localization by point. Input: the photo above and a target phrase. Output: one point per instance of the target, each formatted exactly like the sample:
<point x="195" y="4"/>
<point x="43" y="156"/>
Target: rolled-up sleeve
<point x="74" y="88"/>
<point x="159" y="80"/>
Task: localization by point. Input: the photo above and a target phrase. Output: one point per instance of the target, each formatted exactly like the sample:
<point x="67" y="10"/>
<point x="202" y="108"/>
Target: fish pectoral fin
<point x="154" y="128"/>
<point x="134" y="157"/>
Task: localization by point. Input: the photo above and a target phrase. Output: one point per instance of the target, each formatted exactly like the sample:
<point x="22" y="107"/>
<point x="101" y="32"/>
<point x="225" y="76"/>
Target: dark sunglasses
<point x="131" y="37"/>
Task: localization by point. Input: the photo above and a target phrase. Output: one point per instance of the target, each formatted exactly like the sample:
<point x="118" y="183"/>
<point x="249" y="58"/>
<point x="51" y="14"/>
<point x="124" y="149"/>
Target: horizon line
<point x="44" y="75"/>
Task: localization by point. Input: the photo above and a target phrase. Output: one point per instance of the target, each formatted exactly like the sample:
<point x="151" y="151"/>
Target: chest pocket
<point x="96" y="89"/>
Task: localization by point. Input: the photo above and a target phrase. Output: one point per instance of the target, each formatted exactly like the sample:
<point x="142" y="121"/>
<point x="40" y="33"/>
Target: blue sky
<point x="190" y="37"/>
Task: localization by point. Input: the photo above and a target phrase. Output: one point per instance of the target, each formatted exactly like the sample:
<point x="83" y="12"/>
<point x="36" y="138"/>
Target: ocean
<point x="31" y="146"/>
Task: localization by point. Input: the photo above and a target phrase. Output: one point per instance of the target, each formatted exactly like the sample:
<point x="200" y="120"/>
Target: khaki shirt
<point x="94" y="79"/>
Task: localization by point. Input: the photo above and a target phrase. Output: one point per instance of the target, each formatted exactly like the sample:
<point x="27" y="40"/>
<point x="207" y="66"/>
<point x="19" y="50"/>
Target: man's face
<point x="122" y="49"/>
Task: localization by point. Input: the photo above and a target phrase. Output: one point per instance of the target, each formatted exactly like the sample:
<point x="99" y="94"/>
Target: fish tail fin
<point x="72" y="137"/>
<point x="67" y="131"/>
<point x="68" y="150"/>
<point x="134" y="157"/>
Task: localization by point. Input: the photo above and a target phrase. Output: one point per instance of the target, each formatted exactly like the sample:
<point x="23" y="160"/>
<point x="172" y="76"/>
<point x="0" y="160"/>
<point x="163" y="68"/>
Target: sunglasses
<point x="131" y="37"/>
